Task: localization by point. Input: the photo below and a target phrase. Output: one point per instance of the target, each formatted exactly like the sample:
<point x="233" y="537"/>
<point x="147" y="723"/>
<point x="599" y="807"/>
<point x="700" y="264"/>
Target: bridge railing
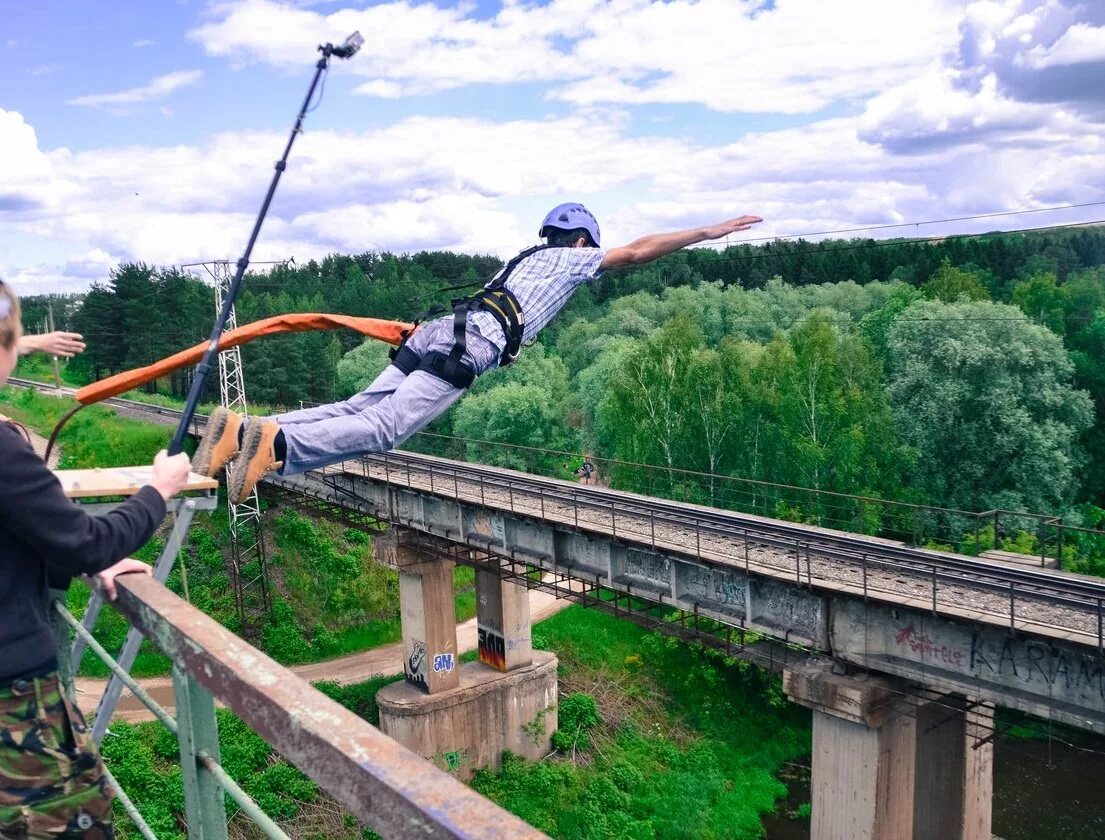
<point x="1043" y="536"/>
<point x="384" y="785"/>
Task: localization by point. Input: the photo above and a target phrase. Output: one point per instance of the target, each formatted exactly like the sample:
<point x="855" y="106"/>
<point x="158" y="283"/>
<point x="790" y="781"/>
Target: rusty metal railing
<point x="397" y="793"/>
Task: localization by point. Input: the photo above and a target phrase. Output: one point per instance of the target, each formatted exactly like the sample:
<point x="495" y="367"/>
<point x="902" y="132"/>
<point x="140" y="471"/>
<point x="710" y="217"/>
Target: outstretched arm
<point x="649" y="248"/>
<point x="55" y="343"/>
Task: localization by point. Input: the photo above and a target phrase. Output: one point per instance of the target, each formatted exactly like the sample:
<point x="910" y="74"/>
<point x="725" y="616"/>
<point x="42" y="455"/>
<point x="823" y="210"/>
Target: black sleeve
<point x="35" y="510"/>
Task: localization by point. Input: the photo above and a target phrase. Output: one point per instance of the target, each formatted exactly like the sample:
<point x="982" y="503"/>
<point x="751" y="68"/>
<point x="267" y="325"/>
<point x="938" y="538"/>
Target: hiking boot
<point x="219" y="444"/>
<point x="258" y="456"/>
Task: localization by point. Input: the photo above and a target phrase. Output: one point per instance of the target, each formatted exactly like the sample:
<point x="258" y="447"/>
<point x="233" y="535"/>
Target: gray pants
<point x="388" y="411"/>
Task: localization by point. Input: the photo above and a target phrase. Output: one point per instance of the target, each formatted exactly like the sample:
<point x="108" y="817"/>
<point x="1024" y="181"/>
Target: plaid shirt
<point x="543" y="283"/>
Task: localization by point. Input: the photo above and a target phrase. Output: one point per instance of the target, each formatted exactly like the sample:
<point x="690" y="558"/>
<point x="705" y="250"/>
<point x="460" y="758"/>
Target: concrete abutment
<point x="462" y="716"/>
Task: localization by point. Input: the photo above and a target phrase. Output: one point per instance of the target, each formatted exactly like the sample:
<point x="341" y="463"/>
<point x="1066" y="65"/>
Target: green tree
<point x="986" y="401"/>
<point x="1043" y="300"/>
<point x="357" y="368"/>
<point x="525" y="405"/>
<point x="951" y="284"/>
<point x="832" y="423"/>
<point x="646" y="413"/>
<point x="516" y="414"/>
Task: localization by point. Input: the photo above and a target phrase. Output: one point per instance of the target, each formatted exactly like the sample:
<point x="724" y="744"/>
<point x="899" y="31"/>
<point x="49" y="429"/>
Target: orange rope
<point x="389" y="331"/>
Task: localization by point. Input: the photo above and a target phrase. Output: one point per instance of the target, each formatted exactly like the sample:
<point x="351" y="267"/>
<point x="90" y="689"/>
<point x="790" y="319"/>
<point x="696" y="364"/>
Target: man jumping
<point x="440" y="359"/>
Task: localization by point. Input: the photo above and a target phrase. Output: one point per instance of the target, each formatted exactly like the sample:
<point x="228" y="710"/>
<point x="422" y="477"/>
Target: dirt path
<point x="358" y="667"/>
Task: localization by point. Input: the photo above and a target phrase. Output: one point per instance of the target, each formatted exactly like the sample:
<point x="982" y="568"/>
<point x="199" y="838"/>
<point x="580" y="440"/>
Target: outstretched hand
<point x="56" y="343"/>
<point x="731" y="226"/>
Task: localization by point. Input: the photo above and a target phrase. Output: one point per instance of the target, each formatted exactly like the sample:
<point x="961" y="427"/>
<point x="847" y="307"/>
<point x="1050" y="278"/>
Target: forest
<point x="967" y="372"/>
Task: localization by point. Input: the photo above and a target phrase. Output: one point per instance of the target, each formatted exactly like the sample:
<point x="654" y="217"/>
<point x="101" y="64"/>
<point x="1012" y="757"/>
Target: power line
<point x="723" y="245"/>
<point x="897" y="225"/>
<point x="923" y="240"/>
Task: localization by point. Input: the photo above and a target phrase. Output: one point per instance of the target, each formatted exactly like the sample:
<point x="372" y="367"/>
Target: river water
<point x="1042" y="791"/>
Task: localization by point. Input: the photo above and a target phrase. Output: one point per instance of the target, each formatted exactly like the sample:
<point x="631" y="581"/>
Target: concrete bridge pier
<point x="888" y="765"/>
<point x="462" y="716"/>
<point x="504" y="626"/>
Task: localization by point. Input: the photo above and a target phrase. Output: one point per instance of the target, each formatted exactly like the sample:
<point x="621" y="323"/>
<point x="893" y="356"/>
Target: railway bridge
<point x="902" y="653"/>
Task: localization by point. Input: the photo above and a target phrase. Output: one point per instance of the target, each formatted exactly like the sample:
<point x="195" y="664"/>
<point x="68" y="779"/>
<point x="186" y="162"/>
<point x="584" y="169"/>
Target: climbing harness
<point x="494" y="298"/>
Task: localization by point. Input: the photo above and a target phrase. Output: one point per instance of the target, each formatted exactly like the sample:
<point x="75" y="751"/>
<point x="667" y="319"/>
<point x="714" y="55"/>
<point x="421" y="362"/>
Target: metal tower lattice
<point x="249" y="578"/>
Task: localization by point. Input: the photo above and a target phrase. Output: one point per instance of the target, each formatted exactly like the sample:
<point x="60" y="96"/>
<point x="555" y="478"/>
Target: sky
<point x="146" y="130"/>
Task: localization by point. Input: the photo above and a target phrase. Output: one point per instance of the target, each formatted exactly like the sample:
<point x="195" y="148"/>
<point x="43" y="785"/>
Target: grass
<point x="688" y="744"/>
<point x="94" y="437"/>
<point x="40" y="368"/>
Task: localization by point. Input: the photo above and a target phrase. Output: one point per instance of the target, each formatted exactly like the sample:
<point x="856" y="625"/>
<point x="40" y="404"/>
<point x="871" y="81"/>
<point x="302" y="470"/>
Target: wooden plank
<point x="118" y="481"/>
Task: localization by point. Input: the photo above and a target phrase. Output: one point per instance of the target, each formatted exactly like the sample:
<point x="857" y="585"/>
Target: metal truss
<point x="248" y="572"/>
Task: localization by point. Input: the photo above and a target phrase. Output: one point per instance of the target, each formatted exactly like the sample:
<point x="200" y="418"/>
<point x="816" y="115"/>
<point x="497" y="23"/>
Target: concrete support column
<point x="427" y="610"/>
<point x="502" y="616"/>
<point x="890" y="764"/>
<point x="955" y="770"/>
<point x="864" y="749"/>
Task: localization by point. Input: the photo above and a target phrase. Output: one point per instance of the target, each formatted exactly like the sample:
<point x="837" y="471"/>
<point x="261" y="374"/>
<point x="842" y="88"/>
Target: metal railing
<point x="912" y="523"/>
<point x="380" y="782"/>
<point x="1018" y="597"/>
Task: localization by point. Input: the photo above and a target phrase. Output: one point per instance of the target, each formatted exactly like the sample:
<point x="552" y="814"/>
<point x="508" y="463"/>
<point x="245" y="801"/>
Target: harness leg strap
<point x="456" y="373"/>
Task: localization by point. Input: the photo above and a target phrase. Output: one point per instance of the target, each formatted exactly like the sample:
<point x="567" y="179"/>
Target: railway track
<point x="769" y="532"/>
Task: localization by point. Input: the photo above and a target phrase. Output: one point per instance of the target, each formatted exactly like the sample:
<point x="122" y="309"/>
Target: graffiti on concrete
<point x="492" y="649"/>
<point x="715" y="589"/>
<point x="920" y="643"/>
<point x="487" y="528"/>
<point x="518" y="642"/>
<point x="1057" y="679"/>
<point x="443" y="663"/>
<point x="644" y="565"/>
<point x="1037" y="662"/>
<point x="578" y="551"/>
<point x="450" y="761"/>
<point x="415" y="666"/>
<point x="784" y="607"/>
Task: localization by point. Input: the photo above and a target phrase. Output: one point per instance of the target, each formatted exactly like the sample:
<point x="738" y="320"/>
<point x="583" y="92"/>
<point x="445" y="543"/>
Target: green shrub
<point x="578" y="715"/>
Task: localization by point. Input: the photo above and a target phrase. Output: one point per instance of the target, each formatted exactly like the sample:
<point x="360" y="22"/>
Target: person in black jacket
<point x="51" y="778"/>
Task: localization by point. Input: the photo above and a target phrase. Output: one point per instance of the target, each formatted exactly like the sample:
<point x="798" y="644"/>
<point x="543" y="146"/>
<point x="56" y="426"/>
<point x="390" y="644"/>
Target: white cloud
<point x="939" y="117"/>
<point x="27" y="178"/>
<point x="158" y="88"/>
<point x="1081" y="43"/>
<point x="142" y="43"/>
<point x="399" y="188"/>
<point x="730" y="55"/>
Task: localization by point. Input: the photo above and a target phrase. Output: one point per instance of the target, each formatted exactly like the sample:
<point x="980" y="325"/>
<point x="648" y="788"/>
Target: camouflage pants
<point x="52" y="783"/>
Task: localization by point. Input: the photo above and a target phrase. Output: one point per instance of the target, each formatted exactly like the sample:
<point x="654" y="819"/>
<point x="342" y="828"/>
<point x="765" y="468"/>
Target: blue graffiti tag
<point x="443" y="662"/>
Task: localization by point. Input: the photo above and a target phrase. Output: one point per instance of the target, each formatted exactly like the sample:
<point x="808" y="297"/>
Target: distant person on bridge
<point x="440" y="359"/>
<point x="586" y="473"/>
<point x="52" y="781"/>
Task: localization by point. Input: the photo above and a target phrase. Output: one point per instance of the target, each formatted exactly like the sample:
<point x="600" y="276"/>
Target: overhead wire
<point x="793" y="255"/>
<point x="898" y="225"/>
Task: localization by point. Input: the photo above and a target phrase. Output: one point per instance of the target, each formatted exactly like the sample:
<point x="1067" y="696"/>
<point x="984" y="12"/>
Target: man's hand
<point x="58" y="343"/>
<point x="123" y="567"/>
<point x="170" y="473"/>
<point x="732" y="226"/>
